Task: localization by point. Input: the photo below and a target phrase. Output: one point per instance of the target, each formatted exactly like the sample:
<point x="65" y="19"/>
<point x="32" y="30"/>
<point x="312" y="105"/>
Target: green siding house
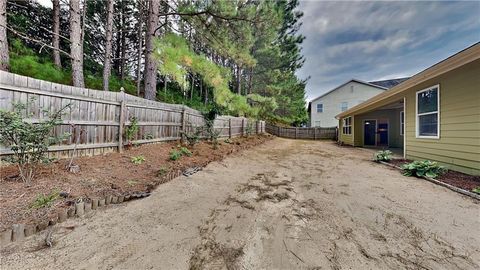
<point x="433" y="115"/>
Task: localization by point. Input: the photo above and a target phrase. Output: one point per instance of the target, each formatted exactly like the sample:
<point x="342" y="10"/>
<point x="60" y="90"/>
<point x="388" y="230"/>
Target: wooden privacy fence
<point x="97" y="119"/>
<point x="314" y="133"/>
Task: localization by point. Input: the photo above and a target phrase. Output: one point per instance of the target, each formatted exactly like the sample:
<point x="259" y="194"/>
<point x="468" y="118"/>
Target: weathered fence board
<point x="96" y="119"/>
<point x="302" y="133"/>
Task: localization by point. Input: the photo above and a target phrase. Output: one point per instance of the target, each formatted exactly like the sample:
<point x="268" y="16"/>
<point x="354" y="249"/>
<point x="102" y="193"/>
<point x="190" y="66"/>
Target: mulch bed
<point x="461" y="180"/>
<point x="110" y="174"/>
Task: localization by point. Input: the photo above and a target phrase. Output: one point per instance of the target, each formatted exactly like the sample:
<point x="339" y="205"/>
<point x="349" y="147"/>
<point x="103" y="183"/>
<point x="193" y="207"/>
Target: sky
<point x="378" y="40"/>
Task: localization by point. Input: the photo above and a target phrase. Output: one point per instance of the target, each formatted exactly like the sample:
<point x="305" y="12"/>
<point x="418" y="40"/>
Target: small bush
<point x="131" y="130"/>
<point x="45" y="200"/>
<point x="476" y="190"/>
<point x="423" y="168"/>
<point x="193" y="137"/>
<point x="175" y="154"/>
<point x="138" y="160"/>
<point x="185" y="151"/>
<point x="163" y="170"/>
<point x="385" y="155"/>
<point x="29" y="142"/>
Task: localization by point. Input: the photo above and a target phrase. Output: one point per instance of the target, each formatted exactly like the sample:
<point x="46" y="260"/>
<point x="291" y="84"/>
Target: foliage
<point x="162" y="171"/>
<point x="193" y="137"/>
<point x="384" y="155"/>
<point x="175" y="154"/>
<point x="185" y="151"/>
<point x="43" y="200"/>
<point x="132" y="183"/>
<point x="29" y="142"/>
<point x="131" y="130"/>
<point x="476" y="190"/>
<point x="250" y="127"/>
<point x="423" y="168"/>
<point x="138" y="160"/>
<point x="177" y="60"/>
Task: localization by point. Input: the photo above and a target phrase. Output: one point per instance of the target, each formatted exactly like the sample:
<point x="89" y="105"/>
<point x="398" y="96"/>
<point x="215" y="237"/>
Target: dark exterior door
<point x="369" y="132"/>
<point x="383" y="133"/>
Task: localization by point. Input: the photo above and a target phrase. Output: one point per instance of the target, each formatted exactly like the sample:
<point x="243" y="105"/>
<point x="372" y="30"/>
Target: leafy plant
<point x="29" y="142"/>
<point x="138" y="160"/>
<point x="132" y="183"/>
<point x="162" y="171"/>
<point x="131" y="130"/>
<point x="249" y="128"/>
<point x="43" y="200"/>
<point x="148" y="136"/>
<point x="384" y="155"/>
<point x="212" y="134"/>
<point x="175" y="154"/>
<point x="185" y="151"/>
<point x="193" y="137"/>
<point x="476" y="190"/>
<point x="423" y="168"/>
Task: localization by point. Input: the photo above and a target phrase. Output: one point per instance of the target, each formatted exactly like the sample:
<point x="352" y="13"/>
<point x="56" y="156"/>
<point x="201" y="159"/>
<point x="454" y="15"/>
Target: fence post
<point x="256" y="127"/>
<point x="243" y="127"/>
<point x="314" y="133"/>
<point x="296" y="132"/>
<point x="184" y="121"/>
<point x="121" y="123"/>
<point x="230" y="127"/>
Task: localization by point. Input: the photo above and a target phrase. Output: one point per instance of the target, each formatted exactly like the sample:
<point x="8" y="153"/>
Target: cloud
<point x="378" y="40"/>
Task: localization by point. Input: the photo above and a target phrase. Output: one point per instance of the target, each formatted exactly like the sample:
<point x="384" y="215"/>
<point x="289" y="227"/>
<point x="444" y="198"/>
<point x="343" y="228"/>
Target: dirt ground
<point x="109" y="174"/>
<point x="283" y="205"/>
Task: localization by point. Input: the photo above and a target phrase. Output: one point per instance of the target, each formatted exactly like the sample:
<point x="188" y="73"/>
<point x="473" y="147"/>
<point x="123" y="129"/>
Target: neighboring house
<point x="433" y="115"/>
<point x="322" y="110"/>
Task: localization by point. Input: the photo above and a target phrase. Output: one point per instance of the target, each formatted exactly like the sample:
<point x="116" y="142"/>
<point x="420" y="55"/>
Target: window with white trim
<point x="344" y="106"/>
<point x="427" y="110"/>
<point x="402" y="123"/>
<point x="319" y="108"/>
<point x="317" y="123"/>
<point x="347" y="125"/>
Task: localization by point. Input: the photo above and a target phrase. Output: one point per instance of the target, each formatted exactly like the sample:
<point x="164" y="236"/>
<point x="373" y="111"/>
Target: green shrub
<point x="131" y="130"/>
<point x="43" y="200"/>
<point x="385" y="155"/>
<point x="185" y="151"/>
<point x="193" y="137"/>
<point x="476" y="190"/>
<point x="175" y="154"/>
<point x="138" y="160"/>
<point x="423" y="168"/>
<point x="163" y="170"/>
<point x="29" y="142"/>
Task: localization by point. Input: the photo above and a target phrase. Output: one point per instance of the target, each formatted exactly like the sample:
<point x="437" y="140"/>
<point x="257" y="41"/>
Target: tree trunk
<point x="76" y="44"/>
<point x="123" y="48"/>
<point x="56" y="33"/>
<point x="140" y="45"/>
<point x="4" y="58"/>
<point x="239" y="80"/>
<point x="150" y="63"/>
<point x="108" y="46"/>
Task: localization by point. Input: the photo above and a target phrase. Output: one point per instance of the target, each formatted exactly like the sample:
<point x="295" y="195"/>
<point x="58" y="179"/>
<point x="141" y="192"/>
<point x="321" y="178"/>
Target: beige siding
<point x="459" y="143"/>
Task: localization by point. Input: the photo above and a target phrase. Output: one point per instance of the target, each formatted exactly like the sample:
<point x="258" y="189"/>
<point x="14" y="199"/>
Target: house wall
<point x="393" y="118"/>
<point x="459" y="144"/>
<point x="332" y="102"/>
<point x="458" y="147"/>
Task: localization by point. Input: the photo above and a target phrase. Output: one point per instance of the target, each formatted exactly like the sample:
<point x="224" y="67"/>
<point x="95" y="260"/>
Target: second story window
<point x="319" y="108"/>
<point x="344" y="106"/>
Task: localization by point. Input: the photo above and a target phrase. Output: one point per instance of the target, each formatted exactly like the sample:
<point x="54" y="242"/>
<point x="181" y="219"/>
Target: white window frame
<point x="341" y="106"/>
<point x="345" y="126"/>
<point x="402" y="123"/>
<point x="322" y="107"/>
<point x="317" y="123"/>
<point x="417" y="116"/>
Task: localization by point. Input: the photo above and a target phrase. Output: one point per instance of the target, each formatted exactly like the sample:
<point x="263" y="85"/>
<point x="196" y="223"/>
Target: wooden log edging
<point x="440" y="183"/>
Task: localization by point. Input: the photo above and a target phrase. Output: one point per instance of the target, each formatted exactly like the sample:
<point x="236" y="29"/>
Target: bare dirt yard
<point x="283" y="205"/>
